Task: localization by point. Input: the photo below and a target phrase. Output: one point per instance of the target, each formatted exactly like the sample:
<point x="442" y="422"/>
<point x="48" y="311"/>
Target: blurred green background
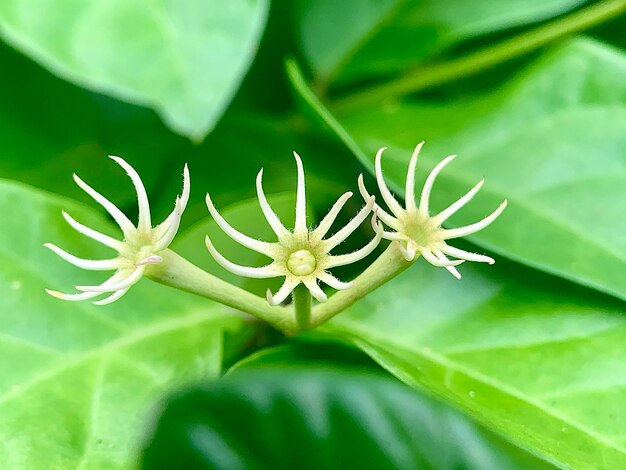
<point x="520" y="365"/>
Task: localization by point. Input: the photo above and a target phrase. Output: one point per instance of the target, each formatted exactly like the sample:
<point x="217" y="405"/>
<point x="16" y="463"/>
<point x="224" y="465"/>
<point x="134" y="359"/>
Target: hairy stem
<point x="176" y="271"/>
<point x="387" y="266"/>
<point x="302" y="306"/>
<point x="487" y="57"/>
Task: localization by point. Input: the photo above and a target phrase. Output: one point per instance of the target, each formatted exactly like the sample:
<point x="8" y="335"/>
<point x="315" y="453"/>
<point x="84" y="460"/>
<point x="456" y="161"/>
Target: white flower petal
<point x="430" y="180"/>
<point x="435" y="261"/>
<point x="333" y="282"/>
<point x="454" y="207"/>
<point x="278" y="228"/>
<point x="391" y="202"/>
<point x="94" y="235"/>
<point x="314" y="289"/>
<point x="262" y="272"/>
<point x="73" y="297"/>
<point x="144" y="224"/>
<point x="124" y="223"/>
<point x="380" y="212"/>
<point x="451" y="269"/>
<point x="184" y="197"/>
<point x="408" y="251"/>
<point x="89" y="264"/>
<point x="342" y="260"/>
<point x="327" y="222"/>
<point x="256" y="245"/>
<point x="164" y="234"/>
<point x="114" y="284"/>
<point x="112" y="298"/>
<point x="300" y="224"/>
<point x="473" y="228"/>
<point x="350" y="227"/>
<point x="466" y="255"/>
<point x="409" y="193"/>
<point x="287" y="288"/>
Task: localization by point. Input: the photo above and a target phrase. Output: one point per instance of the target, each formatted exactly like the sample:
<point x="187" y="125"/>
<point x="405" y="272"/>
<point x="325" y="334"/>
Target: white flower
<point x="140" y="247"/>
<point x="301" y="255"/>
<point x="415" y="230"/>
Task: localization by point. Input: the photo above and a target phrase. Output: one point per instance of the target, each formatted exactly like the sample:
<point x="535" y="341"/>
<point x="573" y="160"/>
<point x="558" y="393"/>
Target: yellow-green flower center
<point x="421" y="230"/>
<point x="301" y="263"/>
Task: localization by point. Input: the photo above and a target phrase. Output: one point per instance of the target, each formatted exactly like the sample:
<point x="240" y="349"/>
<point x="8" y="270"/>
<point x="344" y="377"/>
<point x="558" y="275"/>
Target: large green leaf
<point x="313" y="417"/>
<point x="352" y="39"/>
<point x="552" y="142"/>
<point x="531" y="357"/>
<point x="184" y="58"/>
<point x="76" y="380"/>
<point x="50" y="128"/>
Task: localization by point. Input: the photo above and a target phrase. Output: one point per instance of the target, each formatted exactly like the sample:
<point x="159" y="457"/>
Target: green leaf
<point x="531" y="357"/>
<point x="309" y="417"/>
<point x="185" y="58"/>
<point x="50" y="129"/>
<point x="77" y="381"/>
<point x="353" y="39"/>
<point x="552" y="142"/>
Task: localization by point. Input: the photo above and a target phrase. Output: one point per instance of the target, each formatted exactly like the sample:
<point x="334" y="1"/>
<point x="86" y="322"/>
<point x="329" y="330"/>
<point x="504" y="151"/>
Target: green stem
<point x="302" y="306"/>
<point x="176" y="271"/>
<point x="387" y="266"/>
<point x="487" y="57"/>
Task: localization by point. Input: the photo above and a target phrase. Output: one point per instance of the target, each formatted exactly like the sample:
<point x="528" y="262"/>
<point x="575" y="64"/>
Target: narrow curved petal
<point x="278" y="228"/>
<point x="73" y="297"/>
<point x="112" y="298"/>
<point x="263" y="272"/>
<point x="333" y="282"/>
<point x="89" y="264"/>
<point x="409" y="192"/>
<point x="342" y="260"/>
<point x="466" y="255"/>
<point x="144" y="223"/>
<point x="391" y="202"/>
<point x="451" y="269"/>
<point x="408" y="251"/>
<point x="300" y="225"/>
<point x="91" y="233"/>
<point x="351" y="226"/>
<point x="256" y="245"/>
<point x="164" y="234"/>
<point x="124" y="222"/>
<point x="430" y="180"/>
<point x="454" y="207"/>
<point x="380" y="212"/>
<point x="473" y="228"/>
<point x="184" y="197"/>
<point x="113" y="285"/>
<point x="394" y="236"/>
<point x="440" y="263"/>
<point x="322" y="229"/>
<point x="315" y="290"/>
<point x="287" y="288"/>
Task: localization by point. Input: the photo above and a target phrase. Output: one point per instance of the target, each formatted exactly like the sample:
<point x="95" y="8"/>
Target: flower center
<point x="301" y="263"/>
<point x="421" y="230"/>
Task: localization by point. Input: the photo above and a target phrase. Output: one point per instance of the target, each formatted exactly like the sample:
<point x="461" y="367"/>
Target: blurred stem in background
<point x="475" y="62"/>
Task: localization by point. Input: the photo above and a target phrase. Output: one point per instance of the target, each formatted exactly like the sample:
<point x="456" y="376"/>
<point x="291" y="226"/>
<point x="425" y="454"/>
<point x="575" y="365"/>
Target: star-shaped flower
<point x="301" y="255"/>
<point x="139" y="248"/>
<point x="415" y="229"/>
